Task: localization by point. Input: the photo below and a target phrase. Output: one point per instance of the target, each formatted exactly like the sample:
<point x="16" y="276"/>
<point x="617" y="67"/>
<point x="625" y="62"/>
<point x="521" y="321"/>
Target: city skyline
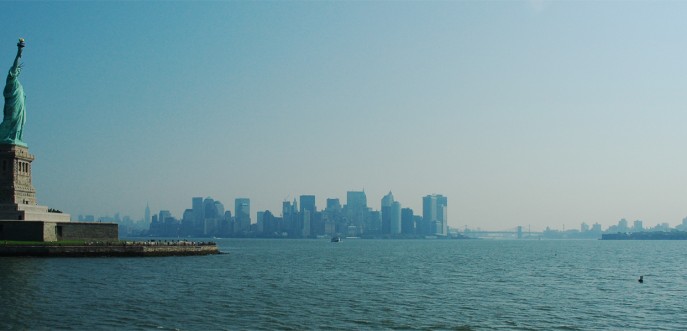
<point x="359" y="199"/>
<point x="524" y="112"/>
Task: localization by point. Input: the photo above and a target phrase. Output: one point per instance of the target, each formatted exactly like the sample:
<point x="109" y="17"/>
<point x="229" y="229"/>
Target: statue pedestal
<point x="15" y="176"/>
<point x="17" y="194"/>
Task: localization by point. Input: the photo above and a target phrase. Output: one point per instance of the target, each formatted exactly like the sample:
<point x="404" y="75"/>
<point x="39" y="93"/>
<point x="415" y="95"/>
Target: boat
<point x="336" y="239"/>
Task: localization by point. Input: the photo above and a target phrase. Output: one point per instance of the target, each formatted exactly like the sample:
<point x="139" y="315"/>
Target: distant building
<point x="187" y="222"/>
<point x="434" y="214"/>
<point x="290" y="218"/>
<point x="163" y="215"/>
<point x="584" y="227"/>
<point x="198" y="215"/>
<point x="146" y="217"/>
<point x="306" y="223"/>
<point x="333" y="204"/>
<point x="259" y="221"/>
<point x="373" y="223"/>
<point x="242" y="214"/>
<point x="209" y="209"/>
<point x="395" y="218"/>
<point x="219" y="208"/>
<point x="332" y="217"/>
<point x="407" y="222"/>
<point x="387" y="201"/>
<point x="356" y="210"/>
<point x="308" y="203"/>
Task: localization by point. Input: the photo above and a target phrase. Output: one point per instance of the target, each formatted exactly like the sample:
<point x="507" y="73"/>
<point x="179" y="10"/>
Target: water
<point x="358" y="284"/>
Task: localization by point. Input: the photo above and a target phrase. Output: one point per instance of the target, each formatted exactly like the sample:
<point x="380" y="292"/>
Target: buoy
<point x="641" y="279"/>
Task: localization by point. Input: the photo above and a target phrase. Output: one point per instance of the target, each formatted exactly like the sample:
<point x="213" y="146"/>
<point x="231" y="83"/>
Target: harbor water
<point x="358" y="284"/>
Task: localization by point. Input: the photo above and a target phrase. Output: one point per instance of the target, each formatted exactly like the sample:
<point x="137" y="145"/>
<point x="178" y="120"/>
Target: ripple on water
<point x="358" y="284"/>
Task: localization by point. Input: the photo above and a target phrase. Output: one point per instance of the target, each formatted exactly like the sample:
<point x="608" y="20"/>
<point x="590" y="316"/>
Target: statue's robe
<point x="12" y="127"/>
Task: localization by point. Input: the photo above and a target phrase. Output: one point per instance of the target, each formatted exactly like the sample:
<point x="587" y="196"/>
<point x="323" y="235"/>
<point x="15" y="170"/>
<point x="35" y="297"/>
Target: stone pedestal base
<point x="15" y="175"/>
<point x="21" y="212"/>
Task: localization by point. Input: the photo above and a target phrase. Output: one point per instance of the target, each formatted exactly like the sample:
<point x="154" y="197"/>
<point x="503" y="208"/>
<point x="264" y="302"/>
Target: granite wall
<point x="55" y="231"/>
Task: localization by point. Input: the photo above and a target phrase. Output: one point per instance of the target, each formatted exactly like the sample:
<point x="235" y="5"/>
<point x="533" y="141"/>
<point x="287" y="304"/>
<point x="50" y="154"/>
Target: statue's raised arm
<point x="16" y="67"/>
<point x="14" y="115"/>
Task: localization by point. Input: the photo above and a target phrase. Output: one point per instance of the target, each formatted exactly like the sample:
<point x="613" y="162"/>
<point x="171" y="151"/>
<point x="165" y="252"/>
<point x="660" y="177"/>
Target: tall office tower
<point x="227" y="225"/>
<point x="395" y="225"/>
<point x="290" y="218"/>
<point x="356" y="209"/>
<point x="333" y="216"/>
<point x="242" y="213"/>
<point x="187" y="222"/>
<point x="442" y="209"/>
<point x="434" y="214"/>
<point x="387" y="201"/>
<point x="209" y="210"/>
<point x="286" y="211"/>
<point x="308" y="203"/>
<point x="211" y="216"/>
<point x="164" y="215"/>
<point x="333" y="204"/>
<point x="356" y="199"/>
<point x="309" y="219"/>
<point x="306" y="223"/>
<point x="198" y="217"/>
<point x="373" y="223"/>
<point x="259" y="221"/>
<point x="270" y="225"/>
<point x="219" y="209"/>
<point x="146" y="217"/>
<point x="407" y="223"/>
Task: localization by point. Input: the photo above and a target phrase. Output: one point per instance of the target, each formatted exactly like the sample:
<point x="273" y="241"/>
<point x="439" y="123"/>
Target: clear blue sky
<point x="531" y="112"/>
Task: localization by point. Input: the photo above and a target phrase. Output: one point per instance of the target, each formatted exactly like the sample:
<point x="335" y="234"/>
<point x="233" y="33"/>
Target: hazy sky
<point x="521" y="113"/>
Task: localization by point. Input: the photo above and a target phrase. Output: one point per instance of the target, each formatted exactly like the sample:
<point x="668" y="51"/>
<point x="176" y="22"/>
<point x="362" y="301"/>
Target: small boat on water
<point x="336" y="239"/>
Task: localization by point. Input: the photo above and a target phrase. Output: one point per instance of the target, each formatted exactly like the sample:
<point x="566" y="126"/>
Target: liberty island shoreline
<point x="150" y="248"/>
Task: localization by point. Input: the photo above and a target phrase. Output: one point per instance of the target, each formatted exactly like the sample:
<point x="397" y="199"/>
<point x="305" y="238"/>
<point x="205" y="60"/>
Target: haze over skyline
<point x="520" y="112"/>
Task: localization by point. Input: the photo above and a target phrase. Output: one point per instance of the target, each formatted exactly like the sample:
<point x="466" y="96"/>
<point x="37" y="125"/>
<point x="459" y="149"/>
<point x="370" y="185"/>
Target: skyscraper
<point x="146" y="217"/>
<point x="407" y="223"/>
<point x="219" y="207"/>
<point x="434" y="214"/>
<point x="356" y="199"/>
<point x="209" y="209"/>
<point x="333" y="204"/>
<point x="356" y="209"/>
<point x="198" y="218"/>
<point x="395" y="218"/>
<point x="391" y="215"/>
<point x="308" y="203"/>
<point x="387" y="201"/>
<point x="164" y="215"/>
<point x="242" y="213"/>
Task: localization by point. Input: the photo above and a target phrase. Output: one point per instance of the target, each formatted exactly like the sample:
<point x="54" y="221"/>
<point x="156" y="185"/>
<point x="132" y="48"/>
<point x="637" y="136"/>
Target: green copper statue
<point x="12" y="127"/>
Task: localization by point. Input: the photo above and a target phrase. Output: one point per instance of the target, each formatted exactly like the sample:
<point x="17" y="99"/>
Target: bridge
<point x="514" y="233"/>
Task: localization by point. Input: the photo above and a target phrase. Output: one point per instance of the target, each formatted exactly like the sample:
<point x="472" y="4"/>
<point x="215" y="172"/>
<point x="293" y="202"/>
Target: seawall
<point x="113" y="250"/>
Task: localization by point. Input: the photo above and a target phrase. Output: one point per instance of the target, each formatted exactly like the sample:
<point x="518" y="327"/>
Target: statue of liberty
<point x="12" y="127"/>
